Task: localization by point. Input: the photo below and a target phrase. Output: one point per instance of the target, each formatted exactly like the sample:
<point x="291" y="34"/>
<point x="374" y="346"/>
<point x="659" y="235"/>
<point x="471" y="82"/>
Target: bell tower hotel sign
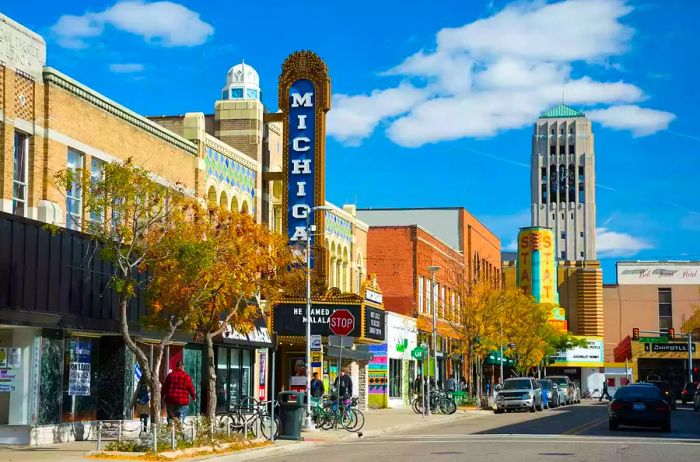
<point x="21" y="49"/>
<point x="304" y="99"/>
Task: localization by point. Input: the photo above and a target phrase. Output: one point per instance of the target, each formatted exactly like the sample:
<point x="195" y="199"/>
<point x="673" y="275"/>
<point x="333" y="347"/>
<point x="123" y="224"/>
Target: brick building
<point x="403" y="243"/>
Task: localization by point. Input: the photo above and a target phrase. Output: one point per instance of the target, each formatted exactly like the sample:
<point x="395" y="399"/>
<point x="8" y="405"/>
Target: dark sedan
<point x="665" y="390"/>
<point x="639" y="405"/>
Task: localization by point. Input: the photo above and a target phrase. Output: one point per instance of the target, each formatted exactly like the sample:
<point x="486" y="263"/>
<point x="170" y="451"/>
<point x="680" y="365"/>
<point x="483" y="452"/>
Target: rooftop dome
<point x="242" y="73"/>
<point x="242" y="82"/>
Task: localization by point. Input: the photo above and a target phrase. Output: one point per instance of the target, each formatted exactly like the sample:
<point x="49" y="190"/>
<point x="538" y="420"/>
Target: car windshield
<point x="546" y="384"/>
<point x="638" y="392"/>
<point x="560" y="381"/>
<point x="516" y="384"/>
<point x="691" y="386"/>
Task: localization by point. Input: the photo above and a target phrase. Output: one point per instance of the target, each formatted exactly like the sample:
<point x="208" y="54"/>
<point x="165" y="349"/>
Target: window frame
<point x="23" y="185"/>
<point x="74" y="195"/>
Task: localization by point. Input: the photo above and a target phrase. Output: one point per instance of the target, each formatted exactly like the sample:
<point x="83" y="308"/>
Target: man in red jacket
<point x="177" y="390"/>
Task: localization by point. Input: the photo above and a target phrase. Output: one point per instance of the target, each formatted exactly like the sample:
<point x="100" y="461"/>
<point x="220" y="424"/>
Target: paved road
<point x="573" y="433"/>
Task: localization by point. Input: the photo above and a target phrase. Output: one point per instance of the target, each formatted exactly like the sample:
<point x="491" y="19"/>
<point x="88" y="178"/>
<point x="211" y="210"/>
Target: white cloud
<point x="564" y="31"/>
<point x="615" y="244"/>
<point x="126" y="68"/>
<point x="500" y="73"/>
<point x="354" y="118"/>
<point x="641" y="121"/>
<point x="166" y="23"/>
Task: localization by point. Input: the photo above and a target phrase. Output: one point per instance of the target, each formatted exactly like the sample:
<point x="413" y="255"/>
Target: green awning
<point x="494" y="359"/>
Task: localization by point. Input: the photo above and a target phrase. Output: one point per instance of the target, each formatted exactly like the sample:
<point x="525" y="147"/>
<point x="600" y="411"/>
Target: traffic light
<point x="635" y="333"/>
<point x="671" y="333"/>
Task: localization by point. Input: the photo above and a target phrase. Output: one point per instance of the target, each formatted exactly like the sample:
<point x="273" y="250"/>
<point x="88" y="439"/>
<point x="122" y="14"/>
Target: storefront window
<point x="395" y="378"/>
<point x="234" y="374"/>
<point x="246" y="380"/>
<point x="221" y="372"/>
<point x="79" y="379"/>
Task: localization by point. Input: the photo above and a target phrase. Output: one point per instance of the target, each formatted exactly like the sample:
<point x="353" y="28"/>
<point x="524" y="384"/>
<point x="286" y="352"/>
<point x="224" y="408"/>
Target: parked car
<point x="666" y="391"/>
<point x="521" y="393"/>
<point x="552" y="391"/>
<point x="696" y="400"/>
<point x="688" y="392"/>
<point x="564" y="382"/>
<point x="639" y="405"/>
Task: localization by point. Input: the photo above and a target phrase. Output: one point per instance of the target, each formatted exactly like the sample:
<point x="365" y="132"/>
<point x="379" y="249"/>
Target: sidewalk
<point x="377" y="422"/>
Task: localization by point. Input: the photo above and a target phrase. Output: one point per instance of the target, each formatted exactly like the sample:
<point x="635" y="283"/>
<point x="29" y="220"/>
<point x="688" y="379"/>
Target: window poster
<point x="79" y="373"/>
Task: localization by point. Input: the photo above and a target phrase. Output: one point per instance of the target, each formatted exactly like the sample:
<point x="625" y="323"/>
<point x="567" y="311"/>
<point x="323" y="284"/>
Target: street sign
<point x="315" y="343"/>
<point x="341" y="322"/>
<point x="653" y="339"/>
<point x="418" y="353"/>
<point x="341" y="341"/>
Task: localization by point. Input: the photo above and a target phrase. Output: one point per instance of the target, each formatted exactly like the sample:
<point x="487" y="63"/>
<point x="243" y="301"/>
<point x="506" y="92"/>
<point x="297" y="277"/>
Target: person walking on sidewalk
<point x="141" y="404"/>
<point x="177" y="390"/>
<point x="605" y="392"/>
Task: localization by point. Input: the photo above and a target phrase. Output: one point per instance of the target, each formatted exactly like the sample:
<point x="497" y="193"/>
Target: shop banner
<point x="667" y="347"/>
<point x="80" y="352"/>
<point x="593" y="354"/>
<point x="7" y="379"/>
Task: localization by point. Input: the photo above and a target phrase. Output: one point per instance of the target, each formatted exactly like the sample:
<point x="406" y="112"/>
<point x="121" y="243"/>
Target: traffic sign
<point x="341" y="322"/>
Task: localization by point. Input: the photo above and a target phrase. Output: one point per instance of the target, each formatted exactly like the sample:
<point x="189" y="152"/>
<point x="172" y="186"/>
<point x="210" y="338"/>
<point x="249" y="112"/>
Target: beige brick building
<point x="48" y="121"/>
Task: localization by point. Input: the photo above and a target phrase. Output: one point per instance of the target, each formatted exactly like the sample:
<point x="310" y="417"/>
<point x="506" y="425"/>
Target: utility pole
<point x="436" y="297"/>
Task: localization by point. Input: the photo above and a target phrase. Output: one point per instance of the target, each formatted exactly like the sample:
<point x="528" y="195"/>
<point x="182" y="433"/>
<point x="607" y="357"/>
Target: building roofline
<point x="55" y="77"/>
<point x="426" y="231"/>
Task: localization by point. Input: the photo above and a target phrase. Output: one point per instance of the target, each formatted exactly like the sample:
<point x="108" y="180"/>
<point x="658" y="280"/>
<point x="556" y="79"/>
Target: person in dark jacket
<point x="317" y="387"/>
<point x="343" y="384"/>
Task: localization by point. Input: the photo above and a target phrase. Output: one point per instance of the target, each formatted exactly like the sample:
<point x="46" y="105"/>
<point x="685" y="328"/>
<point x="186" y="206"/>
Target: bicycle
<point x="343" y="412"/>
<point x="253" y="416"/>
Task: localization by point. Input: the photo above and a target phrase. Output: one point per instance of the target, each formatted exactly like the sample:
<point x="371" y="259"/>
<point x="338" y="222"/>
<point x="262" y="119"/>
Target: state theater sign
<point x="304" y="99"/>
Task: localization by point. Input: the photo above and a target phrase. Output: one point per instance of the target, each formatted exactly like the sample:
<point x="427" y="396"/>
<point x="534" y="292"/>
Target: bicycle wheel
<point x="269" y="427"/>
<point x="417" y="405"/>
<point x="353" y="420"/>
<point x="448" y="406"/>
<point x="330" y="416"/>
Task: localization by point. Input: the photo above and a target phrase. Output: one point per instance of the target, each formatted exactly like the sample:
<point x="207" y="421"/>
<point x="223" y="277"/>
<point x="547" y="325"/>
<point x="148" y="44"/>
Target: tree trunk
<point x="211" y="378"/>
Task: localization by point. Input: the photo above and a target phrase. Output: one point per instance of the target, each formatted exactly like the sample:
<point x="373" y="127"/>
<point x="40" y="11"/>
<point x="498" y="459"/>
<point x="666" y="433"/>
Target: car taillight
<point x="662" y="407"/>
<point x="684" y="392"/>
<point x="617" y="406"/>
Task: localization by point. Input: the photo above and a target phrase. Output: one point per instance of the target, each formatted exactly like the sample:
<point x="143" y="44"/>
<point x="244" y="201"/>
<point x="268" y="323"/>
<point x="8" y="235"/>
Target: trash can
<point x="291" y="414"/>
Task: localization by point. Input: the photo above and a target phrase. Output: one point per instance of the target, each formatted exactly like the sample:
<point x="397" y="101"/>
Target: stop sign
<point x="341" y="322"/>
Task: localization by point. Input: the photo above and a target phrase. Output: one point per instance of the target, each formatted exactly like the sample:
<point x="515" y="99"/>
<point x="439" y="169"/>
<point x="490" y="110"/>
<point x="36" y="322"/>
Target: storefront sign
<point x="3" y="358"/>
<point x="401" y="335"/>
<point x="262" y="376"/>
<point x="537" y="267"/>
<point x="7" y="378"/>
<point x="21" y="48"/>
<point x="593" y="353"/>
<point x="375" y="323"/>
<point x="14" y="357"/>
<point x="658" y="273"/>
<point x="373" y="296"/>
<point x="258" y="335"/>
<point x="667" y="347"/>
<point x="79" y="367"/>
<point x="290" y="319"/>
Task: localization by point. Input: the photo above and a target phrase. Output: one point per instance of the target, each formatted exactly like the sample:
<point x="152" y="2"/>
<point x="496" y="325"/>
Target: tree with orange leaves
<point x="214" y="269"/>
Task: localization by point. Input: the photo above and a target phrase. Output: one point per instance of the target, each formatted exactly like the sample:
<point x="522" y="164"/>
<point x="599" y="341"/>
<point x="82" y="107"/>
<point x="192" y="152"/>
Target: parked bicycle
<point x="440" y="402"/>
<point x="330" y="413"/>
<point x="251" y="416"/>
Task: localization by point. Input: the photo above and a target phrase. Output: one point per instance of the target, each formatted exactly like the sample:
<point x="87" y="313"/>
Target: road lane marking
<point x="530" y="441"/>
<point x="585" y="426"/>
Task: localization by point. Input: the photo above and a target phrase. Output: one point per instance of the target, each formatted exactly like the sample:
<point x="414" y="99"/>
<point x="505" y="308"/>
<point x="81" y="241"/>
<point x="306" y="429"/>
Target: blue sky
<point x="433" y="103"/>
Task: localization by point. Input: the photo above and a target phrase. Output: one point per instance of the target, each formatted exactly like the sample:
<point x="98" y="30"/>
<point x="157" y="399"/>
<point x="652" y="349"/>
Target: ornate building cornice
<point x="54" y="77"/>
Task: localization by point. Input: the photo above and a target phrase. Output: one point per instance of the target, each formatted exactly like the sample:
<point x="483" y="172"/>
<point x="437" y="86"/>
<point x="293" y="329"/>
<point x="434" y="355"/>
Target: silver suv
<point x="519" y="393"/>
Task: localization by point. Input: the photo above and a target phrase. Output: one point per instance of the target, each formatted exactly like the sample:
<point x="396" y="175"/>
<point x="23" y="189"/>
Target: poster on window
<point x="79" y="367"/>
<point x="14" y="356"/>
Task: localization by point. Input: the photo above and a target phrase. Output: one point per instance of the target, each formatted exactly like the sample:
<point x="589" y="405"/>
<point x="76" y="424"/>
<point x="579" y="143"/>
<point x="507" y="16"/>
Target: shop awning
<point x="334" y="352"/>
<point x="494" y="359"/>
<point x="257" y="337"/>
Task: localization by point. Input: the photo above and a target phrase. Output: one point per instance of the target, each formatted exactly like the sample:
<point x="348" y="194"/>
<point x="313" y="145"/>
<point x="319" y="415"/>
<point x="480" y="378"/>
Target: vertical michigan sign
<point x="304" y="99"/>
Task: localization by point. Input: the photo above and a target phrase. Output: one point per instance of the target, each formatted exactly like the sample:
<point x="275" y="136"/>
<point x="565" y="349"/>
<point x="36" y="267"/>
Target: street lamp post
<point x="310" y="229"/>
<point x="433" y="270"/>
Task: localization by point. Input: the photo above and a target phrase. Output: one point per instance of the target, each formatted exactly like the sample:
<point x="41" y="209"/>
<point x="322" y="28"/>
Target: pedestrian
<point x="177" y="390"/>
<point x="418" y="384"/>
<point x="605" y="392"/>
<point x="141" y="404"/>
<point x="317" y="387"/>
<point x="451" y="384"/>
<point x="462" y="383"/>
<point x="343" y="385"/>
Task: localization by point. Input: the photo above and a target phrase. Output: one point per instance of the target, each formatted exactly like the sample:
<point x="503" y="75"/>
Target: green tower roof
<point x="561" y="111"/>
